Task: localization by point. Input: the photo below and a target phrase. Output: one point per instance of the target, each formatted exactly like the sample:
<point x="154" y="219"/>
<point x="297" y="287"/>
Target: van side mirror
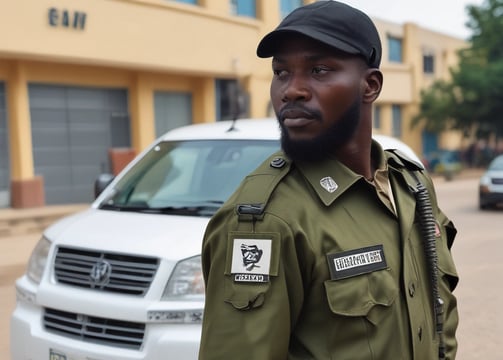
<point x="101" y="183"/>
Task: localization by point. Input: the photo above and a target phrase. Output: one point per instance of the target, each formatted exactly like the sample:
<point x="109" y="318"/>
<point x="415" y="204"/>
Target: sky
<point x="446" y="16"/>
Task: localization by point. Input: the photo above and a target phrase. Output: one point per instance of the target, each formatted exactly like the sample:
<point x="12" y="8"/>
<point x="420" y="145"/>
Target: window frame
<point x="395" y="49"/>
<point x="428" y="63"/>
<point x="245" y="8"/>
<point x="396" y="120"/>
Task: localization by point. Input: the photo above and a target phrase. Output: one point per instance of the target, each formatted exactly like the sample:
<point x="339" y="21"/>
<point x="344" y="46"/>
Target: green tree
<point x="473" y="99"/>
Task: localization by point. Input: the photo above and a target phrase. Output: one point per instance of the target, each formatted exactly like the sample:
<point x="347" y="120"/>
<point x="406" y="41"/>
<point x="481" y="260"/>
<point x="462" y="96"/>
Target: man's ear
<point x="373" y="85"/>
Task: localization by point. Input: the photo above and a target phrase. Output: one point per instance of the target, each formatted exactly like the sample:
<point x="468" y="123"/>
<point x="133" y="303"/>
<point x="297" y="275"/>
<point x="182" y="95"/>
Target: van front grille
<point x="94" y="329"/>
<point x="102" y="271"/>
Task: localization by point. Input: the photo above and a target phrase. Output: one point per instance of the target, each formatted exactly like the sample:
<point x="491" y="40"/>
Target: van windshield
<point x="187" y="177"/>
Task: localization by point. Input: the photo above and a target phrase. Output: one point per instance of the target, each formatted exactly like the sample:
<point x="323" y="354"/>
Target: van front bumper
<point x="29" y="340"/>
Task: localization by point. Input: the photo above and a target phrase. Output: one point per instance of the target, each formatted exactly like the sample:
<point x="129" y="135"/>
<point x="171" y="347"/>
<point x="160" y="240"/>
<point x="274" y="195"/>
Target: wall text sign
<point x="67" y="19"/>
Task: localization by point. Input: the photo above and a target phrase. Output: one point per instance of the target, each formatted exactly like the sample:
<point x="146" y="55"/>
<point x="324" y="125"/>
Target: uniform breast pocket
<point x="369" y="295"/>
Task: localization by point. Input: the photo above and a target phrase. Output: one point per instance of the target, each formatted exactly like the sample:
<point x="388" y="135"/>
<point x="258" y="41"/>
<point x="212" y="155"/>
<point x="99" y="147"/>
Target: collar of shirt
<point x="381" y="178"/>
<point x="344" y="177"/>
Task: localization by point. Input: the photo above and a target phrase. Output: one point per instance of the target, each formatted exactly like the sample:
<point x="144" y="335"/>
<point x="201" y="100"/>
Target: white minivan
<point x="122" y="280"/>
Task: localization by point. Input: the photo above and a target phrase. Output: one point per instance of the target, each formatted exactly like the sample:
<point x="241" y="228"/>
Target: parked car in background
<point x="122" y="279"/>
<point x="491" y="184"/>
<point x="444" y="162"/>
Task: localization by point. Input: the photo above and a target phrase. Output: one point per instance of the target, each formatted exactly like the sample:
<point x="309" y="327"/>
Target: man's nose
<point x="296" y="89"/>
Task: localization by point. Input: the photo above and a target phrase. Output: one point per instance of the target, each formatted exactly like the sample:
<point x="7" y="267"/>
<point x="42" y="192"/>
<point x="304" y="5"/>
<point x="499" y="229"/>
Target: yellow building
<point x="84" y="85"/>
<point x="413" y="58"/>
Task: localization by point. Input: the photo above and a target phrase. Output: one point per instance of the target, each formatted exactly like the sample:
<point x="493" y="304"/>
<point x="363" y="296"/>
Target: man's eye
<point x="319" y="70"/>
<point x="279" y="72"/>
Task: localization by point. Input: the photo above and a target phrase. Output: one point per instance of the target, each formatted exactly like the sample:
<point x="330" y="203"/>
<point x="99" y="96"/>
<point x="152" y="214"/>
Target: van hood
<point x="166" y="236"/>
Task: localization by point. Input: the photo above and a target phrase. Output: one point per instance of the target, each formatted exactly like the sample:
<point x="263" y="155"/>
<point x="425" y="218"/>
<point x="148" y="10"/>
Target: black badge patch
<point x="356" y="262"/>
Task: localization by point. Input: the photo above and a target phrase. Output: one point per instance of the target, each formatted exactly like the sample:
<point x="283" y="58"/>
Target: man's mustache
<point x="298" y="111"/>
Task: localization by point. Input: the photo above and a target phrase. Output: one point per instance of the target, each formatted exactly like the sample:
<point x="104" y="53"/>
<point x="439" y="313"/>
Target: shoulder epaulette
<point x="415" y="171"/>
<point x="258" y="186"/>
<point x="398" y="158"/>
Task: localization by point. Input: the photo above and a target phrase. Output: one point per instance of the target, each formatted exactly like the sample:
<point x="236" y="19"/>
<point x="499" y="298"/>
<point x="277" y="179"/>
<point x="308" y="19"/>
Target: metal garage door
<point x="172" y="110"/>
<point x="72" y="130"/>
<point x="4" y="151"/>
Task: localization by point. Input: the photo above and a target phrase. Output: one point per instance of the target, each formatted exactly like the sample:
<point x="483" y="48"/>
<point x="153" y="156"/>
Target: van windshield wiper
<point x="206" y="208"/>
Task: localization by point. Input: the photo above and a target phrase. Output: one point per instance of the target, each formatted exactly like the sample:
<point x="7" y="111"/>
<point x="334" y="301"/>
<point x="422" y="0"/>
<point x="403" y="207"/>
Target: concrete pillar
<point x="204" y="100"/>
<point x="141" y="108"/>
<point x="27" y="190"/>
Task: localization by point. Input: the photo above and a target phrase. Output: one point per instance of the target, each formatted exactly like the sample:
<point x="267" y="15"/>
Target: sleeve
<point x="448" y="276"/>
<point x="248" y="320"/>
<point x="448" y="279"/>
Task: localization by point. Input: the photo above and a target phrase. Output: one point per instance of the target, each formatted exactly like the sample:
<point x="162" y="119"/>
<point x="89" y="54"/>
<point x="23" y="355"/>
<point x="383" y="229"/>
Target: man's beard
<point x="325" y="144"/>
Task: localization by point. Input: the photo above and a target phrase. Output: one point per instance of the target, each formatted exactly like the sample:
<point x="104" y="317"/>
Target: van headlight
<point x="186" y="281"/>
<point x="38" y="259"/>
<point x="485" y="180"/>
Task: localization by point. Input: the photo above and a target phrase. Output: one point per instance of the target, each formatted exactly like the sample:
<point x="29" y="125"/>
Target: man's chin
<point x="303" y="150"/>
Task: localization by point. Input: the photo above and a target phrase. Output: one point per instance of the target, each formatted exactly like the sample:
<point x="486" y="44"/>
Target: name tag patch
<point x="251" y="260"/>
<point x="356" y="262"/>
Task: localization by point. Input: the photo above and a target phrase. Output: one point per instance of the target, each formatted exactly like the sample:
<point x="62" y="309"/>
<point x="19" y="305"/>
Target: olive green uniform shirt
<point x="314" y="262"/>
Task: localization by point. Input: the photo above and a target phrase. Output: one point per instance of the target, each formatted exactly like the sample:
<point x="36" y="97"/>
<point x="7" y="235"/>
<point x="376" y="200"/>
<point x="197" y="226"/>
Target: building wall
<point x="147" y="34"/>
<point x="404" y="81"/>
<point x="145" y="46"/>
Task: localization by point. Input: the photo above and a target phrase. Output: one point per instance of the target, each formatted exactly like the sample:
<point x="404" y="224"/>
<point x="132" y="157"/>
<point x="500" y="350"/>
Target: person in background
<point x="333" y="248"/>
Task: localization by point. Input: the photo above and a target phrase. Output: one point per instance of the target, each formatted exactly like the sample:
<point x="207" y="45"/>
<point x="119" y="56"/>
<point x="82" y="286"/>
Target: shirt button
<point x="412" y="289"/>
<point x="420" y="333"/>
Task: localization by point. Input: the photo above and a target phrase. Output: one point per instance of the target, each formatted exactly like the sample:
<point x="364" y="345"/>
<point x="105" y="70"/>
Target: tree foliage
<point x="473" y="98"/>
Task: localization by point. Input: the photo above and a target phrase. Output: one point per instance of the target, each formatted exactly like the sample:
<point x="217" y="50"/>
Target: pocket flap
<point x="356" y="296"/>
<point x="245" y="296"/>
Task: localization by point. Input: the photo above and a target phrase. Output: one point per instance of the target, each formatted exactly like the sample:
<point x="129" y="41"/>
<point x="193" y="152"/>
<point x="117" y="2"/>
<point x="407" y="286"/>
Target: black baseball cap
<point x="330" y="22"/>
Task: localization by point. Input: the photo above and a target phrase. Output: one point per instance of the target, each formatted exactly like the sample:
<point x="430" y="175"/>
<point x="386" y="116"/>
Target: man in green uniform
<point x="330" y="249"/>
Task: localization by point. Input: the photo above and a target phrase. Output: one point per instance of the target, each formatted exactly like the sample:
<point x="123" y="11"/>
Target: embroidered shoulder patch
<point x="355" y="262"/>
<point x="251" y="260"/>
